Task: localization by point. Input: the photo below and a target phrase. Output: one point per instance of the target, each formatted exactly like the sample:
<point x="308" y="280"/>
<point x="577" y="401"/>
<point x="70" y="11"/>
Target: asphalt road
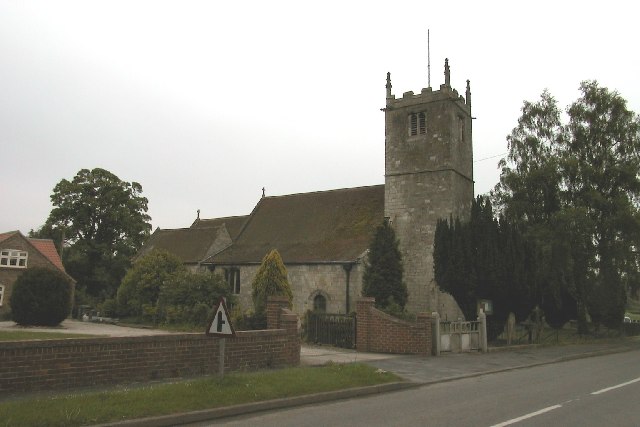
<point x="595" y="391"/>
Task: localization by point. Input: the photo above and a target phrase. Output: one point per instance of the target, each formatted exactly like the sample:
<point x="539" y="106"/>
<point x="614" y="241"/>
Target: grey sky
<point x="205" y="102"/>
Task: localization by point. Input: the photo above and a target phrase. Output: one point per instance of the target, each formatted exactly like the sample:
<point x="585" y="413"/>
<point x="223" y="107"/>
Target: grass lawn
<point x="168" y="398"/>
<point x="36" y="335"/>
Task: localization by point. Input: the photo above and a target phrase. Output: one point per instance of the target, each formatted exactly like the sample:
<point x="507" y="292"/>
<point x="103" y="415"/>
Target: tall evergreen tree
<point x="382" y="278"/>
<point x="485" y="259"/>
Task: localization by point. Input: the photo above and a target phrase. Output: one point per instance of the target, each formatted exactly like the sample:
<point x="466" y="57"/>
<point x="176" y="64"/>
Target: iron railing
<point x="333" y="329"/>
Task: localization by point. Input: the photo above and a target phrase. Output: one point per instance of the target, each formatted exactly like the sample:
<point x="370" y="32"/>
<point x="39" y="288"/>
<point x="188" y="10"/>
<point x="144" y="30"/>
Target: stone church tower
<point x="428" y="176"/>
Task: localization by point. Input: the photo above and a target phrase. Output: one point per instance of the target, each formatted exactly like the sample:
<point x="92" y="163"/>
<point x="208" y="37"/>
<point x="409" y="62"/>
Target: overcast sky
<point x="205" y="102"/>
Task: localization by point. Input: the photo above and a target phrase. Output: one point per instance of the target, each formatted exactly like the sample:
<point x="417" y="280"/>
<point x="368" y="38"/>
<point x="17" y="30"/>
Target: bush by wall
<point x="41" y="297"/>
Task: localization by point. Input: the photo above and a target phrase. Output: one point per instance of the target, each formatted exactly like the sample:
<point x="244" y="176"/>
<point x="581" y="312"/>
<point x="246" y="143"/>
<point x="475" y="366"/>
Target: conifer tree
<point x="271" y="280"/>
<point x="383" y="272"/>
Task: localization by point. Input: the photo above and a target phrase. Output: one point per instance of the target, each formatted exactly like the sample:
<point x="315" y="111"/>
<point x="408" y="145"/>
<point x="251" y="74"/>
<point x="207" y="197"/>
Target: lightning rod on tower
<point x="428" y="60"/>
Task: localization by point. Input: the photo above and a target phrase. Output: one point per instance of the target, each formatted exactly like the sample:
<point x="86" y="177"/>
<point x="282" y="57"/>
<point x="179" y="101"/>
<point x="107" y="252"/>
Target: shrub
<point x="189" y="298"/>
<point x="41" y="297"/>
<point x="271" y="280"/>
<point x="140" y="287"/>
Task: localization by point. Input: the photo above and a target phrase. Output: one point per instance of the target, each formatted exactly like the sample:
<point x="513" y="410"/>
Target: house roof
<point x="45" y="246"/>
<point x="233" y="224"/>
<point x="319" y="227"/>
<point x="191" y="245"/>
<point x="48" y="249"/>
<point x="4" y="236"/>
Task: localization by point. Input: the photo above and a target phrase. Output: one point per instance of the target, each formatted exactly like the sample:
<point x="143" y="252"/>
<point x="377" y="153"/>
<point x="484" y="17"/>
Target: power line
<point x="490" y="157"/>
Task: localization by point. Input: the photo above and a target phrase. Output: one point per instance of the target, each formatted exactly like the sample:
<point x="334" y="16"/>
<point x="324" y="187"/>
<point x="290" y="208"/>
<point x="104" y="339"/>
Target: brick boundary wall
<point x="382" y="333"/>
<point x="28" y="366"/>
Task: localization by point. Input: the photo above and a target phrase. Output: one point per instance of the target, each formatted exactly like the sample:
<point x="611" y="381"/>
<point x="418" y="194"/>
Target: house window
<point x="232" y="276"/>
<point x="320" y="303"/>
<point x="13" y="258"/>
<point x="417" y="124"/>
<point x="1" y="294"/>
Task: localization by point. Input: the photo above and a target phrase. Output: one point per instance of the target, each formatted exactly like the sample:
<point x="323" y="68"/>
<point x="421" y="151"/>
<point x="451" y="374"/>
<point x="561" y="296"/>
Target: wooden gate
<point x="335" y="329"/>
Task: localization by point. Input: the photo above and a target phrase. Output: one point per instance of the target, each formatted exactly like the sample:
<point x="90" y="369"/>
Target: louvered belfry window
<point x="417" y="124"/>
<point x="413" y="130"/>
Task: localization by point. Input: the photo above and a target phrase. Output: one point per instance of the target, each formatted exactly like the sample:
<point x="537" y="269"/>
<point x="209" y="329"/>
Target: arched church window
<point x="422" y="123"/>
<point x="320" y="303"/>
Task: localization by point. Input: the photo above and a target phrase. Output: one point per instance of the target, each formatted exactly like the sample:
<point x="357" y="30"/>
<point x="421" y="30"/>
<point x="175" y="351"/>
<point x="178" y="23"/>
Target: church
<point x="323" y="237"/>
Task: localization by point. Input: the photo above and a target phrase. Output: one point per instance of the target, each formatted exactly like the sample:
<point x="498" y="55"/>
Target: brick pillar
<point x="289" y="322"/>
<point x="423" y="322"/>
<point x="274" y="305"/>
<point x="363" y="322"/>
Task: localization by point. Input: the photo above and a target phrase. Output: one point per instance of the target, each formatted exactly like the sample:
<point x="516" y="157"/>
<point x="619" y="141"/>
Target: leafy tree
<point x="41" y="297"/>
<point x="382" y="278"/>
<point x="271" y="280"/>
<point x="574" y="189"/>
<point x="143" y="282"/>
<point x="104" y="222"/>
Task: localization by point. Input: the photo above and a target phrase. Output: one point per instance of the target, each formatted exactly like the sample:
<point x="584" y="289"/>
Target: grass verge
<point x="31" y="335"/>
<point x="183" y="396"/>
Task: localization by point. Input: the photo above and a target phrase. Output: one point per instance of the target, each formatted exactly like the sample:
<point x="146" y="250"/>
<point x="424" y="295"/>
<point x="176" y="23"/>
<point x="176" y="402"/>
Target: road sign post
<point x="222" y="328"/>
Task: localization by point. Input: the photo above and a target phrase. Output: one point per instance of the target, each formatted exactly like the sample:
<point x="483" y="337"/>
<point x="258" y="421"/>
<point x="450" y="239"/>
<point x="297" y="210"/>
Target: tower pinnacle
<point x="388" y="86"/>
<point x="468" y="94"/>
<point x="447" y="73"/>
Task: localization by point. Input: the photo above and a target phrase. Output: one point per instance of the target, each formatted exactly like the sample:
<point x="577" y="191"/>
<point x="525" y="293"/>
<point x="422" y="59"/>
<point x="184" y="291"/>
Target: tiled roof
<point x="328" y="226"/>
<point x="191" y="245"/>
<point x="233" y="224"/>
<point x="6" y="235"/>
<point x="48" y="249"/>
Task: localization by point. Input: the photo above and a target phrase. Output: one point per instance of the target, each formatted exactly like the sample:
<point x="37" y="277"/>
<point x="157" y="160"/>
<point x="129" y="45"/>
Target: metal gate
<point x="334" y="329"/>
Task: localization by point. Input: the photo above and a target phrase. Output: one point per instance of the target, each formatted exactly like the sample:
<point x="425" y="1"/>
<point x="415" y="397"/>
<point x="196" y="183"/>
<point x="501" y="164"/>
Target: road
<point x="594" y="391"/>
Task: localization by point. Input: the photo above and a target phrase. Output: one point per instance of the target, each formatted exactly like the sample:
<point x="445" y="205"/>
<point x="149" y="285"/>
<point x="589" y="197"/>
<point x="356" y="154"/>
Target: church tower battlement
<point x="428" y="176"/>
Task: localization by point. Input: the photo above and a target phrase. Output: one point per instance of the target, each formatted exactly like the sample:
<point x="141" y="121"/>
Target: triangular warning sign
<point x="221" y="325"/>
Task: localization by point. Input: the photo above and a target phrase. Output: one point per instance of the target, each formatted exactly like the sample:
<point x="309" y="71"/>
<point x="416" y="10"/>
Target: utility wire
<point x="490" y="157"/>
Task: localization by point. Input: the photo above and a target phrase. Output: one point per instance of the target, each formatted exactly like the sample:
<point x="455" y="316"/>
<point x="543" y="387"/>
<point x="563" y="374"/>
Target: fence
<point x="333" y="329"/>
<point x="460" y="336"/>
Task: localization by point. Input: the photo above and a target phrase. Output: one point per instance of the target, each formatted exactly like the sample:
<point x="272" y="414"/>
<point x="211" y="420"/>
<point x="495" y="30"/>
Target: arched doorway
<point x="320" y="304"/>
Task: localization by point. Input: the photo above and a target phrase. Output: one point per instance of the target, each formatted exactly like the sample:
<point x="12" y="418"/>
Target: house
<point x="19" y="253"/>
<point x="323" y="236"/>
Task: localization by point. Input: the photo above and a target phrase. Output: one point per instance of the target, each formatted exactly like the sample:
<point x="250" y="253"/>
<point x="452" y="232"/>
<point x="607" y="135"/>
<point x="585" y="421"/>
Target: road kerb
<point x="268" y="405"/>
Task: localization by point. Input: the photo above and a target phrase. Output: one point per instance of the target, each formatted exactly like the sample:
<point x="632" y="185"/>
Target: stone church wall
<point x="309" y="280"/>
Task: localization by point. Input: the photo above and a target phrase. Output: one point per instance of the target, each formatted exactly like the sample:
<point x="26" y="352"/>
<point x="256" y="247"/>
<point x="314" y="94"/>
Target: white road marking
<point x="530" y="415"/>
<point x="604" y="390"/>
